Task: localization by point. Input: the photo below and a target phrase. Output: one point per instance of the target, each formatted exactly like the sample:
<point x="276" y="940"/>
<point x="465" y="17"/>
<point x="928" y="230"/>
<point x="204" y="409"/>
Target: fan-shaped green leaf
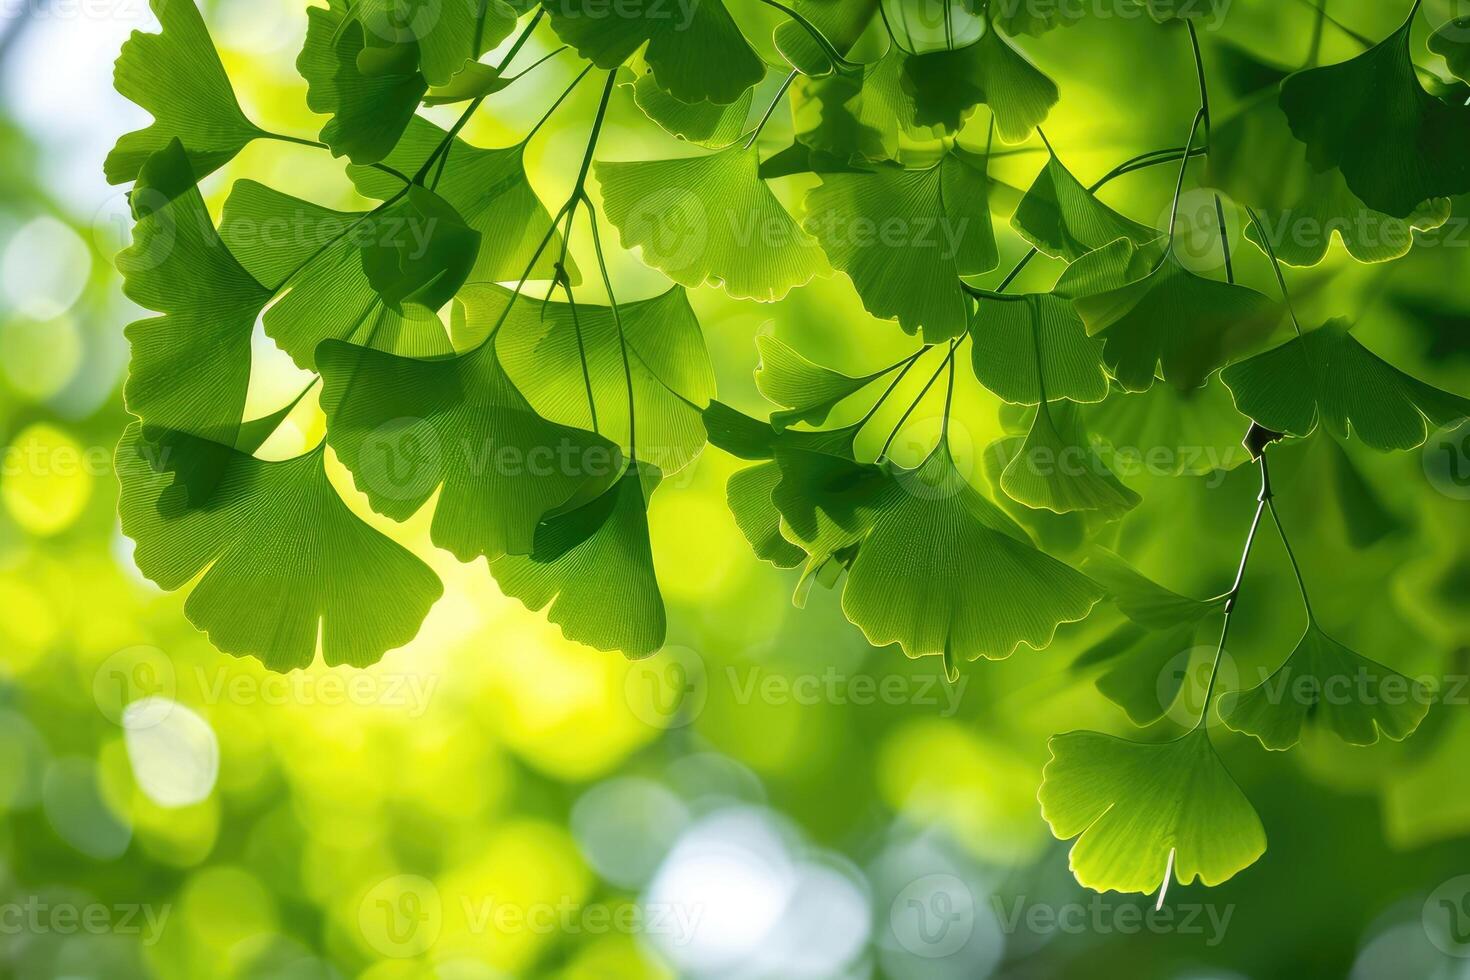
<point x="190" y="367"/>
<point x="424" y="263"/>
<point x="407" y="427"/>
<point x="944" y="571"/>
<point x="1176" y="322"/>
<point x="435" y="36"/>
<point x="706" y="123"/>
<point x="320" y="257"/>
<point x="1057" y="469"/>
<point x="710" y="219"/>
<point x="593" y="566"/>
<point x="1397" y="145"/>
<point x="177" y="76"/>
<point x="696" y="50"/>
<point x="1326" y="685"/>
<point x="807" y="390"/>
<point x="1143" y="600"/>
<point x="905" y="237"/>
<point x="489" y="190"/>
<point x="1168" y="432"/>
<point x="1327" y="374"/>
<point x="369" y="111"/>
<point x="860" y="115"/>
<point x="1255" y="158"/>
<point x="283" y="560"/>
<point x="948" y="85"/>
<point x="1142" y="808"/>
<point x="1066" y="220"/>
<point x="475" y="80"/>
<point x="749" y="495"/>
<point x="542" y="348"/>
<point x="1012" y="333"/>
<point x="841" y="22"/>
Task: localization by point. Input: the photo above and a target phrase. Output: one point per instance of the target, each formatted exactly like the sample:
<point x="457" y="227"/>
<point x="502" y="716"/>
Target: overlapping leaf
<point x="553" y="353"/>
<point x="944" y="571"/>
<point x="1056" y="469"/>
<point x="1138" y="809"/>
<point x="177" y="76"/>
<point x="283" y="560"/>
<point x="1419" y="146"/>
<point x="489" y="190"/>
<point x="696" y="51"/>
<point x="373" y="278"/>
<point x="905" y="237"/>
<point x="1066" y="220"/>
<point x="591" y="568"/>
<point x="191" y="366"/>
<point x="948" y="85"/>
<point x="1327" y="375"/>
<point x="710" y="219"/>
<point x="408" y="427"/>
<point x="1257" y="160"/>
<point x="1175" y="324"/>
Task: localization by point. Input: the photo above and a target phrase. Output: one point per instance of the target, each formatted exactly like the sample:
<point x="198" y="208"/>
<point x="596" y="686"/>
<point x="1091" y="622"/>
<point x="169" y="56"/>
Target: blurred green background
<point x="769" y="798"/>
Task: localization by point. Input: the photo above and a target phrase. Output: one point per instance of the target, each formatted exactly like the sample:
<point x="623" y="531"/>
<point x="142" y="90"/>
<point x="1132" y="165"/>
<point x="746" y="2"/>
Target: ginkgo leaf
<point x="1326" y="685"/>
<point x="283" y="560"/>
<point x="316" y="255"/>
<point x="1168" y="432"/>
<point x="695" y="50"/>
<point x="407" y="427"/>
<point x="553" y="352"/>
<point x="749" y="494"/>
<point x="176" y="75"/>
<point x="1255" y="158"/>
<point x="1056" y="469"/>
<point x="808" y="391"/>
<point x="905" y="237"/>
<point x="1452" y="42"/>
<point x="1420" y="145"/>
<point x="475" y="80"/>
<point x="841" y="22"/>
<point x="1326" y="374"/>
<point x="944" y="571"/>
<point x="948" y="85"/>
<point x="436" y="36"/>
<point x="1141" y="809"/>
<point x="1058" y="534"/>
<point x="190" y="368"/>
<point x="424" y="262"/>
<point x="1012" y="333"/>
<point x="710" y="219"/>
<point x="1175" y="322"/>
<point x="867" y="114"/>
<point x="369" y="111"/>
<point x="1065" y="220"/>
<point x="706" y="123"/>
<point x="489" y="190"/>
<point x="1143" y="600"/>
<point x="593" y="566"/>
<point x="751" y="491"/>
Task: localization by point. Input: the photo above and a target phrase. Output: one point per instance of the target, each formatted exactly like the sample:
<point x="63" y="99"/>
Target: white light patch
<point x="45" y="269"/>
<point x="174" y="752"/>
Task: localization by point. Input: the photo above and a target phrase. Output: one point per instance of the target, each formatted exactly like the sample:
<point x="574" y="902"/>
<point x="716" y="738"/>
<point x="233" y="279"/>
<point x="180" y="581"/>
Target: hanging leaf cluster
<point x="459" y="364"/>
